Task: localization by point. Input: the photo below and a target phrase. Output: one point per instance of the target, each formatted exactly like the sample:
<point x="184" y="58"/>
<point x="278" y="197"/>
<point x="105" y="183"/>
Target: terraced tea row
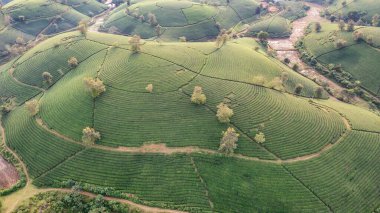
<point x="133" y="176"/>
<point x="346" y="177"/>
<point x="34" y="145"/>
<point x="290" y="131"/>
<point x="178" y="18"/>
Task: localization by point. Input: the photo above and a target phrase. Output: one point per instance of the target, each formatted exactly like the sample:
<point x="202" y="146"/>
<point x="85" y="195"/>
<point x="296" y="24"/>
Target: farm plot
<point x="30" y="70"/>
<point x="39" y="150"/>
<point x="260" y="187"/>
<point x="276" y="26"/>
<point x="68" y="107"/>
<point x="240" y="63"/>
<point x="346" y="177"/>
<point x="189" y="19"/>
<point x="156" y="180"/>
<point x="289" y="123"/>
<point x="9" y="88"/>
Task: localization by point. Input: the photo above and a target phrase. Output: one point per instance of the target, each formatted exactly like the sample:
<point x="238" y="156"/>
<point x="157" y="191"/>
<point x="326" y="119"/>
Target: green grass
<point x="347" y="176"/>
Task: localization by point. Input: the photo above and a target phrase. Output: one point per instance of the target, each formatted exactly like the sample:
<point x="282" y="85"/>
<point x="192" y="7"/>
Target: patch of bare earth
<point x="8" y="174"/>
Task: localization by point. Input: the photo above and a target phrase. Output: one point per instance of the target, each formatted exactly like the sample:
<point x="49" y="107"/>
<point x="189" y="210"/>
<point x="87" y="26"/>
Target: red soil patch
<point x="8" y="174"/>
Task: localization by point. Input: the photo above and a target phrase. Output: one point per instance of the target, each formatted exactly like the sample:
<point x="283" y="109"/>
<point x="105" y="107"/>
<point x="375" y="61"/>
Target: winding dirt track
<point x="285" y="47"/>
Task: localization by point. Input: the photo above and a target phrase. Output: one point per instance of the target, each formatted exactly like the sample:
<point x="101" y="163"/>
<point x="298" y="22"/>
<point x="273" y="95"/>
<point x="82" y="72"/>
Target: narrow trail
<point x="161" y="148"/>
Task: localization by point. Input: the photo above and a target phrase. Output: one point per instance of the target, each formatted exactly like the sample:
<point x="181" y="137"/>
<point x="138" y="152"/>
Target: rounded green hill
<point x="159" y="149"/>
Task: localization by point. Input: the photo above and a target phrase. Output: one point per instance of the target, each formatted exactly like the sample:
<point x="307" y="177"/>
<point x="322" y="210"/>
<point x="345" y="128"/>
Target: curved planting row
<point x="289" y="123"/>
<point x="239" y="63"/>
<point x="254" y="186"/>
<point x="346" y="177"/>
<point x="359" y="118"/>
<point x="193" y="20"/>
<point x="39" y="150"/>
<point x="9" y="88"/>
<point x="54" y="61"/>
<point x="133" y="72"/>
<point x="131" y="119"/>
<point x="68" y="107"/>
<point x="183" y="54"/>
<point x="152" y="179"/>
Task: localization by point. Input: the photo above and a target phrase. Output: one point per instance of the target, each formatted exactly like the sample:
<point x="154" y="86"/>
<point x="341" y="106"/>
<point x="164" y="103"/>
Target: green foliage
<point x="71" y="202"/>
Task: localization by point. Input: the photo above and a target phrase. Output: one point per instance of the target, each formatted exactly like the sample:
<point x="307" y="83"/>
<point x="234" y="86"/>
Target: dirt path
<point x="8" y="173"/>
<point x="161" y="148"/>
<point x="285" y="47"/>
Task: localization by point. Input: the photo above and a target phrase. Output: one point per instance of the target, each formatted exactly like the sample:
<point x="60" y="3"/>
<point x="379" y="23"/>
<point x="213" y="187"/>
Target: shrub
<point x="298" y="89"/>
<point x="95" y="86"/>
<point x="317" y="27"/>
<point x="149" y="88"/>
<point x="48" y="78"/>
<point x="222" y="39"/>
<point x="8" y="105"/>
<point x="198" y="97"/>
<point x="224" y="113"/>
<point x="90" y="136"/>
<point x="73" y="62"/>
<point x="228" y="141"/>
<point x="375" y="20"/>
<point x="259" y="80"/>
<point x="286" y="60"/>
<point x="83" y="27"/>
<point x="135" y="43"/>
<point x="340" y="43"/>
<point x="276" y="84"/>
<point x="341" y="25"/>
<point x="358" y="36"/>
<point x="350" y="26"/>
<point x="295" y="67"/>
<point x="32" y="107"/>
<point x="158" y="30"/>
<point x="284" y="77"/>
<point x="263" y="36"/>
<point x="318" y="92"/>
<point x="260" y="137"/>
<point x="152" y="19"/>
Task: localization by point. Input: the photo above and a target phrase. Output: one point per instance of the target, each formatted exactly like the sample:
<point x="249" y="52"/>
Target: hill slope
<point x="23" y="20"/>
<point x="158" y="149"/>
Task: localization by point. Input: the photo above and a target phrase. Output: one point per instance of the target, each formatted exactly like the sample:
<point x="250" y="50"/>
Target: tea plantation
<point x="319" y="155"/>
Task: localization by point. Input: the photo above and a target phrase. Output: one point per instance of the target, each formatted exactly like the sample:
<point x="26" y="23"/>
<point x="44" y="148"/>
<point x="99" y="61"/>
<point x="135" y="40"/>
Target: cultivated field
<point x="159" y="149"/>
